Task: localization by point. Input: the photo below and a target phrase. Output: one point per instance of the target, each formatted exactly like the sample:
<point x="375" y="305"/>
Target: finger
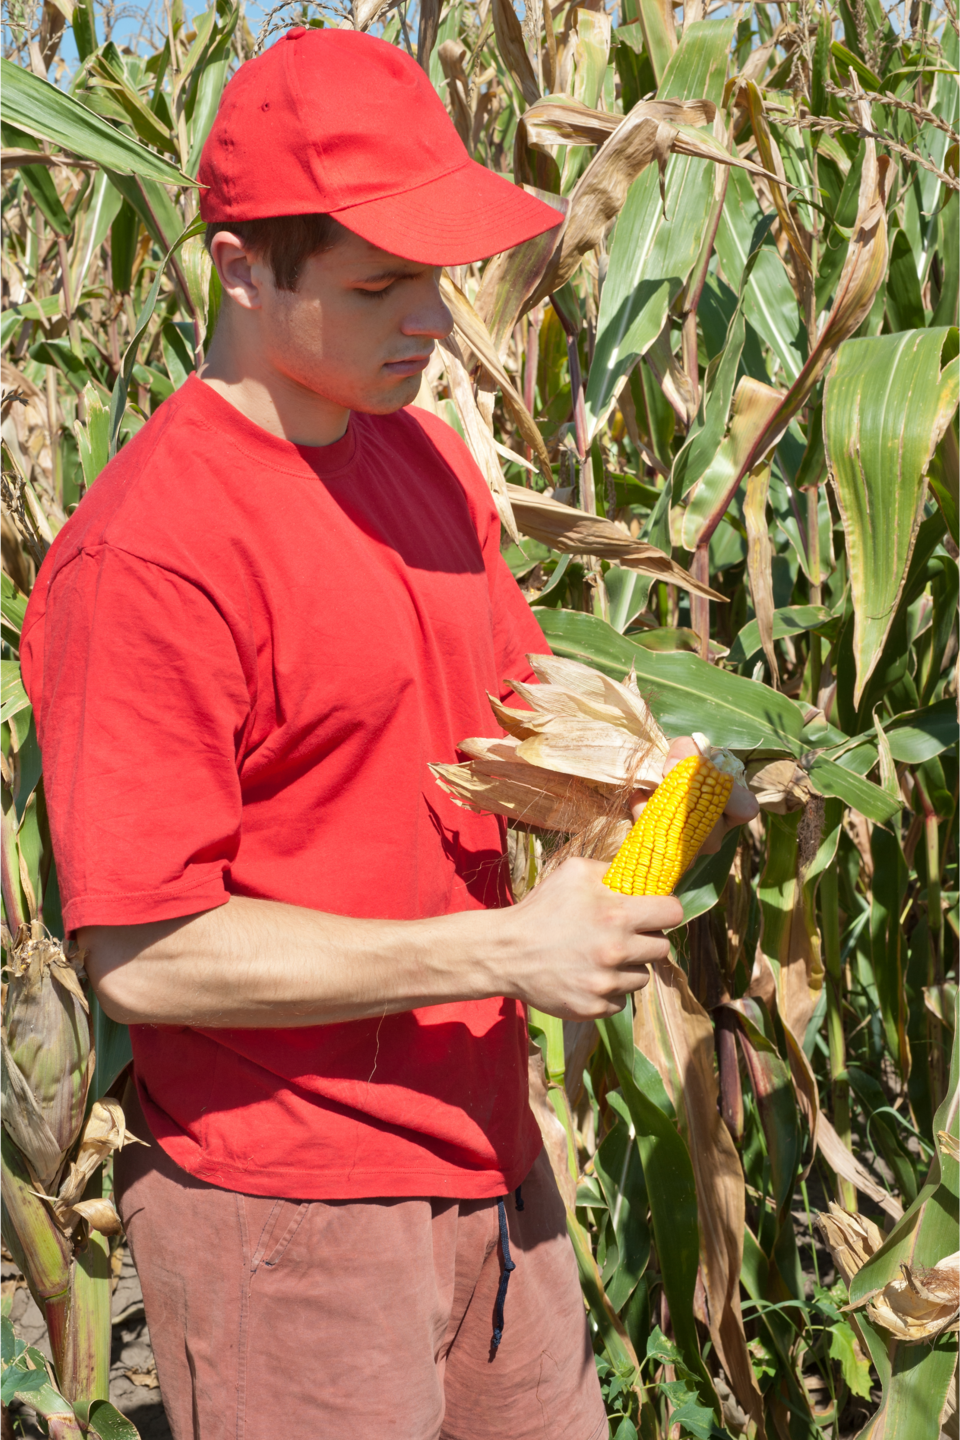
<point x="742" y="806"/>
<point x="653" y="914"/>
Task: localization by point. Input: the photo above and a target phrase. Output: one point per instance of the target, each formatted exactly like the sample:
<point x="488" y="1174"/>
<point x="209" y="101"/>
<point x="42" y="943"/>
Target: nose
<point x="428" y="316"/>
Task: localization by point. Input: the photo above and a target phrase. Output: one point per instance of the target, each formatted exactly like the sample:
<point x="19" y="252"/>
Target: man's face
<point x="359" y="329"/>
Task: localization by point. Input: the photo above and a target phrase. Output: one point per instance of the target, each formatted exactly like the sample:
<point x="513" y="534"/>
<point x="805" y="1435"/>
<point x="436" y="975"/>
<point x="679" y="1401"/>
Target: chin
<point x="403" y="393"/>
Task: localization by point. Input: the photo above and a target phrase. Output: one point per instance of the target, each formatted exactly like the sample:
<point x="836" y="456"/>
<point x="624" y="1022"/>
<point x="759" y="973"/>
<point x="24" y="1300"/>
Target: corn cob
<point x="674" y="824"/>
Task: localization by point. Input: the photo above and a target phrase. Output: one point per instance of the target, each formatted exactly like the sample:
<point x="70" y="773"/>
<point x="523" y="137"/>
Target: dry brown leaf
<point x="474" y="332"/>
<point x="512" y="49"/>
<point x="642" y="136"/>
<point x="575" y="531"/>
<point x="551" y="1129"/>
<point x="746" y="95"/>
<point x="672" y="378"/>
<point x="848" y="1167"/>
<point x="146" y="1378"/>
<point x="676" y="1034"/>
<point x="478" y="437"/>
<point x="760" y="562"/>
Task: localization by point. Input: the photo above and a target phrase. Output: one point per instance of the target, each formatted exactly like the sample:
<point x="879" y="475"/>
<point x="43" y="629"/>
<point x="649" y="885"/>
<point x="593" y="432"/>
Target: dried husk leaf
<point x="497" y="780"/>
<point x="104" y="1132"/>
<point x="591" y="750"/>
<point x="779" y="786"/>
<point x="919" y="1304"/>
<point x="566" y="529"/>
<point x="100" y="1215"/>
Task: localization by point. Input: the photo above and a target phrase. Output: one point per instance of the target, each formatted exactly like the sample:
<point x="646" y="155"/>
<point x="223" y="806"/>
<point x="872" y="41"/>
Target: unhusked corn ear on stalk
<point x="674" y="824"/>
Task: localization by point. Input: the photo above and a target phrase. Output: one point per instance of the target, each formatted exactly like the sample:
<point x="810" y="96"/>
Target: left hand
<point x="740" y="808"/>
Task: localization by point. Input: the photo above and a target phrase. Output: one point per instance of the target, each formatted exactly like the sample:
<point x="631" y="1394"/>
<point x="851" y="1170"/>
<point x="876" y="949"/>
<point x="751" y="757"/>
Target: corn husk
<point x="48" y="1053"/>
<point x="916" y="1307"/>
<point x="104" y="1132"/>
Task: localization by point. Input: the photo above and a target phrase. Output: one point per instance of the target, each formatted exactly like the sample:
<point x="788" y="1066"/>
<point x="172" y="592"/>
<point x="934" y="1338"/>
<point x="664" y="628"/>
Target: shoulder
<point x="158" y="487"/>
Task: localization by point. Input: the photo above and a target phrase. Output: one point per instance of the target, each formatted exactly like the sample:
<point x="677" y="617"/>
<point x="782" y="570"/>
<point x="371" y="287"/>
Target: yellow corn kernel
<point x="674" y="824"/>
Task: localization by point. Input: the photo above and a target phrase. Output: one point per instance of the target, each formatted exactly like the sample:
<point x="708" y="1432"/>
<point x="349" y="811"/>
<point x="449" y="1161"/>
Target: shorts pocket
<point x="281" y="1225"/>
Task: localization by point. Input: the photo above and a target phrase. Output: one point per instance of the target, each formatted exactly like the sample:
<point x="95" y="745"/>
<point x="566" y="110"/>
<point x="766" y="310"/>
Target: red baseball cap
<point x="340" y="123"/>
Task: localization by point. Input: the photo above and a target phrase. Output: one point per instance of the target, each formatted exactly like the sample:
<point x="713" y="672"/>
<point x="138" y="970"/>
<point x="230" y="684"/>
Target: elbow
<point x="114" y="974"/>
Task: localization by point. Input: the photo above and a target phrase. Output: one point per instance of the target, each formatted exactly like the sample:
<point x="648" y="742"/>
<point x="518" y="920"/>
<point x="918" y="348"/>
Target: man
<point x="279" y="604"/>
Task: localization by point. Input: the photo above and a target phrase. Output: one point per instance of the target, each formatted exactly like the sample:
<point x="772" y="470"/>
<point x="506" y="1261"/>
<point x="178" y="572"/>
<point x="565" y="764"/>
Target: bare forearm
<point x="254" y="963"/>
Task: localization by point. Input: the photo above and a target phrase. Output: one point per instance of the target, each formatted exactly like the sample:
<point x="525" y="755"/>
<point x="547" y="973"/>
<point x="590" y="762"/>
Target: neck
<point x="237" y="369"/>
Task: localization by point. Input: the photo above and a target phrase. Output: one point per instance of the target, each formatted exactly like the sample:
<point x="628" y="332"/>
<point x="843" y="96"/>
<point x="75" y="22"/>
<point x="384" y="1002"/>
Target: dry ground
<point x="133" y="1381"/>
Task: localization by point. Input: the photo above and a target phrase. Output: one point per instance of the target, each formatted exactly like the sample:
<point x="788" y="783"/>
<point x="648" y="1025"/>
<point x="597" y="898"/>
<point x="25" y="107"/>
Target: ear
<point x="243" y="275"/>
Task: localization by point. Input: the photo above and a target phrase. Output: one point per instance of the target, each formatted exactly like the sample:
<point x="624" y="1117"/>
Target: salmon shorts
<point x="277" y="1319"/>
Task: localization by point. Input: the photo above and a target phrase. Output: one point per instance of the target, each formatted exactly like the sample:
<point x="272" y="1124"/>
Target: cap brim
<point x="467" y="214"/>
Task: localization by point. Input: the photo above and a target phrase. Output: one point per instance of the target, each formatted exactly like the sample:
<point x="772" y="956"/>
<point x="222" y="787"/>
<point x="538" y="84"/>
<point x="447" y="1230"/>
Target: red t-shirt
<point x="243" y="654"/>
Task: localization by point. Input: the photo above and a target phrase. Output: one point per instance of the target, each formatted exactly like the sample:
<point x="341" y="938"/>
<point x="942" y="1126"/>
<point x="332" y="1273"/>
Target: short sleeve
<point x="141" y="705"/>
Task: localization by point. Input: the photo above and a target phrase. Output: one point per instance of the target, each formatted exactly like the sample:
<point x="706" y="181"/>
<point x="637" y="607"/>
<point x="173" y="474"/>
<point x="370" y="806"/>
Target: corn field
<point x="717" y="410"/>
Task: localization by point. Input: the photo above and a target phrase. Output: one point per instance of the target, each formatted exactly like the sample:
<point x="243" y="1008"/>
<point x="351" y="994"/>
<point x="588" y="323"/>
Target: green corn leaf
<point x="651" y="257"/>
<point x="820" y="72"/>
<point x="39" y="181"/>
<point x="42" y="110"/>
<point x="703" y="884"/>
<point x="668" y="1174"/>
<point x="832" y="779"/>
<point x="903" y="299"/>
<point x="918" y="735"/>
<point x="106" y="1423"/>
<point x="789" y="621"/>
<point x="13" y="697"/>
<point x="93" y="437"/>
<point x="887" y="401"/>
<point x="684" y="692"/>
<point x="855" y="1368"/>
<point x="93" y="226"/>
<point x="768" y="300"/>
<point x="659" y="33"/>
<point x="13" y="607"/>
<point x="85" y="29"/>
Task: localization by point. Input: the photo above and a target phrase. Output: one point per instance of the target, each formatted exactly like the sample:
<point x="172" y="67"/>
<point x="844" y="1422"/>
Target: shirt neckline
<point x="320" y="460"/>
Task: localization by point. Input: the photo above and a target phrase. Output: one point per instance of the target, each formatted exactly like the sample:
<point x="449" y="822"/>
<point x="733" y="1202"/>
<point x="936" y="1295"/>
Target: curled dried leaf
<point x="100" y="1215"/>
<point x="576" y="532"/>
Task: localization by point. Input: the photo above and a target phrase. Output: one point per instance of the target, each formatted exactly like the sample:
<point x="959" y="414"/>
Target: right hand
<point x="577" y="949"/>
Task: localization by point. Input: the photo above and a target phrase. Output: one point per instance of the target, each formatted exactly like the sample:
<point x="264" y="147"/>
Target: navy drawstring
<point x="508" y="1266"/>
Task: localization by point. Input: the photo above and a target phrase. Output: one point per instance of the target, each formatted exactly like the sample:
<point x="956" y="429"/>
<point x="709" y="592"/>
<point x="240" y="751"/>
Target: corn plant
<point x="717" y="413"/>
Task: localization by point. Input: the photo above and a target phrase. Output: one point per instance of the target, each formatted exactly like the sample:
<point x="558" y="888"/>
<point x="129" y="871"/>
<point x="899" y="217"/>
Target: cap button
<point x="296" y="32"/>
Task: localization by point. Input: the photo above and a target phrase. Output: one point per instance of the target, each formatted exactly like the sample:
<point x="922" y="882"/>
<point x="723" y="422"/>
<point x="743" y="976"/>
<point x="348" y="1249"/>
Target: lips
<point x="412" y="366"/>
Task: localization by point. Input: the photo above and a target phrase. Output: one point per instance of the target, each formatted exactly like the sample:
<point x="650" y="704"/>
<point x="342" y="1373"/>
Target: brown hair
<point x="284" y="241"/>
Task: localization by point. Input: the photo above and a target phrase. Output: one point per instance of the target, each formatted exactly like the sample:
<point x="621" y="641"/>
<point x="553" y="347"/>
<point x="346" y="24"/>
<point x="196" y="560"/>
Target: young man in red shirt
<point x="280" y="602"/>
